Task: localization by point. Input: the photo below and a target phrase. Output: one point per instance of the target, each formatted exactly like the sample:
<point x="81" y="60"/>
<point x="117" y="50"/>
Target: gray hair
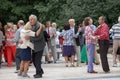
<point x="103" y="18"/>
<point x="72" y="20"/>
<point x="21" y="22"/>
<point x="33" y="16"/>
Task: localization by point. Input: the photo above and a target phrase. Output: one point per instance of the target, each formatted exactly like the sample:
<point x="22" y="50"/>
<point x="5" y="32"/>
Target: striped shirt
<point x="116" y="31"/>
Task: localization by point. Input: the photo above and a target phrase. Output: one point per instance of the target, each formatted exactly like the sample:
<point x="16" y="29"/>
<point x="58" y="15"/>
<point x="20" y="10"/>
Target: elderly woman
<point x="68" y="44"/>
<point x="10" y="47"/>
<point x="90" y="44"/>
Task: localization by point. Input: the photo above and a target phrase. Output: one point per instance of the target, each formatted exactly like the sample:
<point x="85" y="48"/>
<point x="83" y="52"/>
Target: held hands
<point x="95" y="37"/>
<point x="20" y="41"/>
<point x="64" y="38"/>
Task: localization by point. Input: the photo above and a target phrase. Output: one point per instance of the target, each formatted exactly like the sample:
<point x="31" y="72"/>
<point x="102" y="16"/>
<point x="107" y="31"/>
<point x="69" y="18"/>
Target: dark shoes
<point x="50" y="62"/>
<point x="97" y="63"/>
<point x="92" y="71"/>
<point x="107" y="71"/>
<point x="37" y="76"/>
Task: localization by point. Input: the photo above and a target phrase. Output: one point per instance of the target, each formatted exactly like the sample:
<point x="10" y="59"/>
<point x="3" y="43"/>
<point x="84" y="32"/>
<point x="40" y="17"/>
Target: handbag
<point x="118" y="51"/>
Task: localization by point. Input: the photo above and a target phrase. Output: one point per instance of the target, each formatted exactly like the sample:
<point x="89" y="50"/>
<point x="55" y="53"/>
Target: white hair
<point x="27" y="26"/>
<point x="54" y="23"/>
<point x="119" y="19"/>
<point x="21" y="21"/>
<point x="73" y="20"/>
<point x="33" y="16"/>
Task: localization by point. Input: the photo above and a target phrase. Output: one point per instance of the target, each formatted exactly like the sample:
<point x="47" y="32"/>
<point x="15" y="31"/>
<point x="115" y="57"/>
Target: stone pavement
<point x="58" y="71"/>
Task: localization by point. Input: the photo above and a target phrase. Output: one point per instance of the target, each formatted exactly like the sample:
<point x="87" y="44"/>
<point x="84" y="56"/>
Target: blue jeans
<point x="91" y="51"/>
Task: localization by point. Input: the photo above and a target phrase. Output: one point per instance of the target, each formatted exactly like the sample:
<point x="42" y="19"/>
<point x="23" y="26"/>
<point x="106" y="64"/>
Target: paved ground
<point x="60" y="72"/>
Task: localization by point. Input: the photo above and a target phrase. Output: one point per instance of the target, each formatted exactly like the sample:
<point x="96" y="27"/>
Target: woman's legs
<point x="21" y="67"/>
<point x="72" y="61"/>
<point x="26" y="65"/>
<point x="66" y="60"/>
<point x="13" y="48"/>
<point x="9" y="56"/>
<point x="91" y="50"/>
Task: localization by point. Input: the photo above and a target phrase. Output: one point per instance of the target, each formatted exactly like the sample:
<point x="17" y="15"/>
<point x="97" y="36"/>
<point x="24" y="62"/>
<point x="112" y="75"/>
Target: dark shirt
<point x="38" y="41"/>
<point x="46" y="35"/>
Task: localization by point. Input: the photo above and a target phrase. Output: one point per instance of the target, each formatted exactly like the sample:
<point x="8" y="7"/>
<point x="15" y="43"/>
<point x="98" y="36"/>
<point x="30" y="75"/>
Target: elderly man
<point x="39" y="44"/>
<point x="76" y="40"/>
<point x="102" y="34"/>
<point x="16" y="40"/>
<point x="116" y="40"/>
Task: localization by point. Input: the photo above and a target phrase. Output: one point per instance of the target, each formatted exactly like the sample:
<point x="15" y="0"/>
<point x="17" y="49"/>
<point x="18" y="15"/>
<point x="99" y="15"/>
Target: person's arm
<point x="77" y="34"/>
<point x="16" y="37"/>
<point x="111" y="30"/>
<point x="40" y="35"/>
<point x="39" y="30"/>
<point x="46" y="35"/>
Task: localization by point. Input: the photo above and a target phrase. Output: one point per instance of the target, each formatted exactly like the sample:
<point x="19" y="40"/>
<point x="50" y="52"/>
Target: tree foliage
<point x="59" y="10"/>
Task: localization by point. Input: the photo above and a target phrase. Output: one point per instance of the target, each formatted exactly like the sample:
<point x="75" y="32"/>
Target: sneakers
<point x="26" y="75"/>
<point x="19" y="74"/>
<point x="72" y="65"/>
<point x="37" y="76"/>
<point x="23" y="75"/>
<point x="78" y="65"/>
<point x="66" y="65"/>
<point x="114" y="65"/>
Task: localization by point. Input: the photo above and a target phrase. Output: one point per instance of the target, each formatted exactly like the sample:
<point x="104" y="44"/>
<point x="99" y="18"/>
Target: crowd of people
<point x="27" y="43"/>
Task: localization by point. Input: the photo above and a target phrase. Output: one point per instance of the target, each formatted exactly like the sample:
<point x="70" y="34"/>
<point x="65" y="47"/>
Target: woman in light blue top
<point x="68" y="44"/>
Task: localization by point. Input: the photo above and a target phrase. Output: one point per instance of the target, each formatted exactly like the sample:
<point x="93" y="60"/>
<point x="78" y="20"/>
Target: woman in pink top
<point x="90" y="44"/>
<point x="10" y="47"/>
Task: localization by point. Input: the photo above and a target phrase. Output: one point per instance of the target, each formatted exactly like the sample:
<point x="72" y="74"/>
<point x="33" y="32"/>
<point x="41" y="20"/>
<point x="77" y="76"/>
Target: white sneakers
<point x="114" y="65"/>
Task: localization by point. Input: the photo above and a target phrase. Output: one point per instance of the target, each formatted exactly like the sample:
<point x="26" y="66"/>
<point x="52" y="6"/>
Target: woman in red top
<point x="102" y="34"/>
<point x="10" y="47"/>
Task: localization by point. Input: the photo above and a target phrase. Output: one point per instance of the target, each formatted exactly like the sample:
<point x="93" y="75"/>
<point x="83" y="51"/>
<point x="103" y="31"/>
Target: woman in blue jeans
<point x="90" y="44"/>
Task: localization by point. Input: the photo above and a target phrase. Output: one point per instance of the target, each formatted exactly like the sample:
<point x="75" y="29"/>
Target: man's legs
<point x="37" y="56"/>
<point x="104" y="45"/>
<point x="18" y="59"/>
<point x="115" y="47"/>
<point x="77" y="49"/>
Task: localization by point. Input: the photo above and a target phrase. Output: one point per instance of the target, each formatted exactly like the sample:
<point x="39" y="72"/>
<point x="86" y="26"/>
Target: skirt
<point x="83" y="56"/>
<point x="68" y="51"/>
<point x="25" y="54"/>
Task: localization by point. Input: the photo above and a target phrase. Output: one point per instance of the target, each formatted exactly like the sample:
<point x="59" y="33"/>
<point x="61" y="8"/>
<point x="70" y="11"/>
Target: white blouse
<point x="26" y="43"/>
